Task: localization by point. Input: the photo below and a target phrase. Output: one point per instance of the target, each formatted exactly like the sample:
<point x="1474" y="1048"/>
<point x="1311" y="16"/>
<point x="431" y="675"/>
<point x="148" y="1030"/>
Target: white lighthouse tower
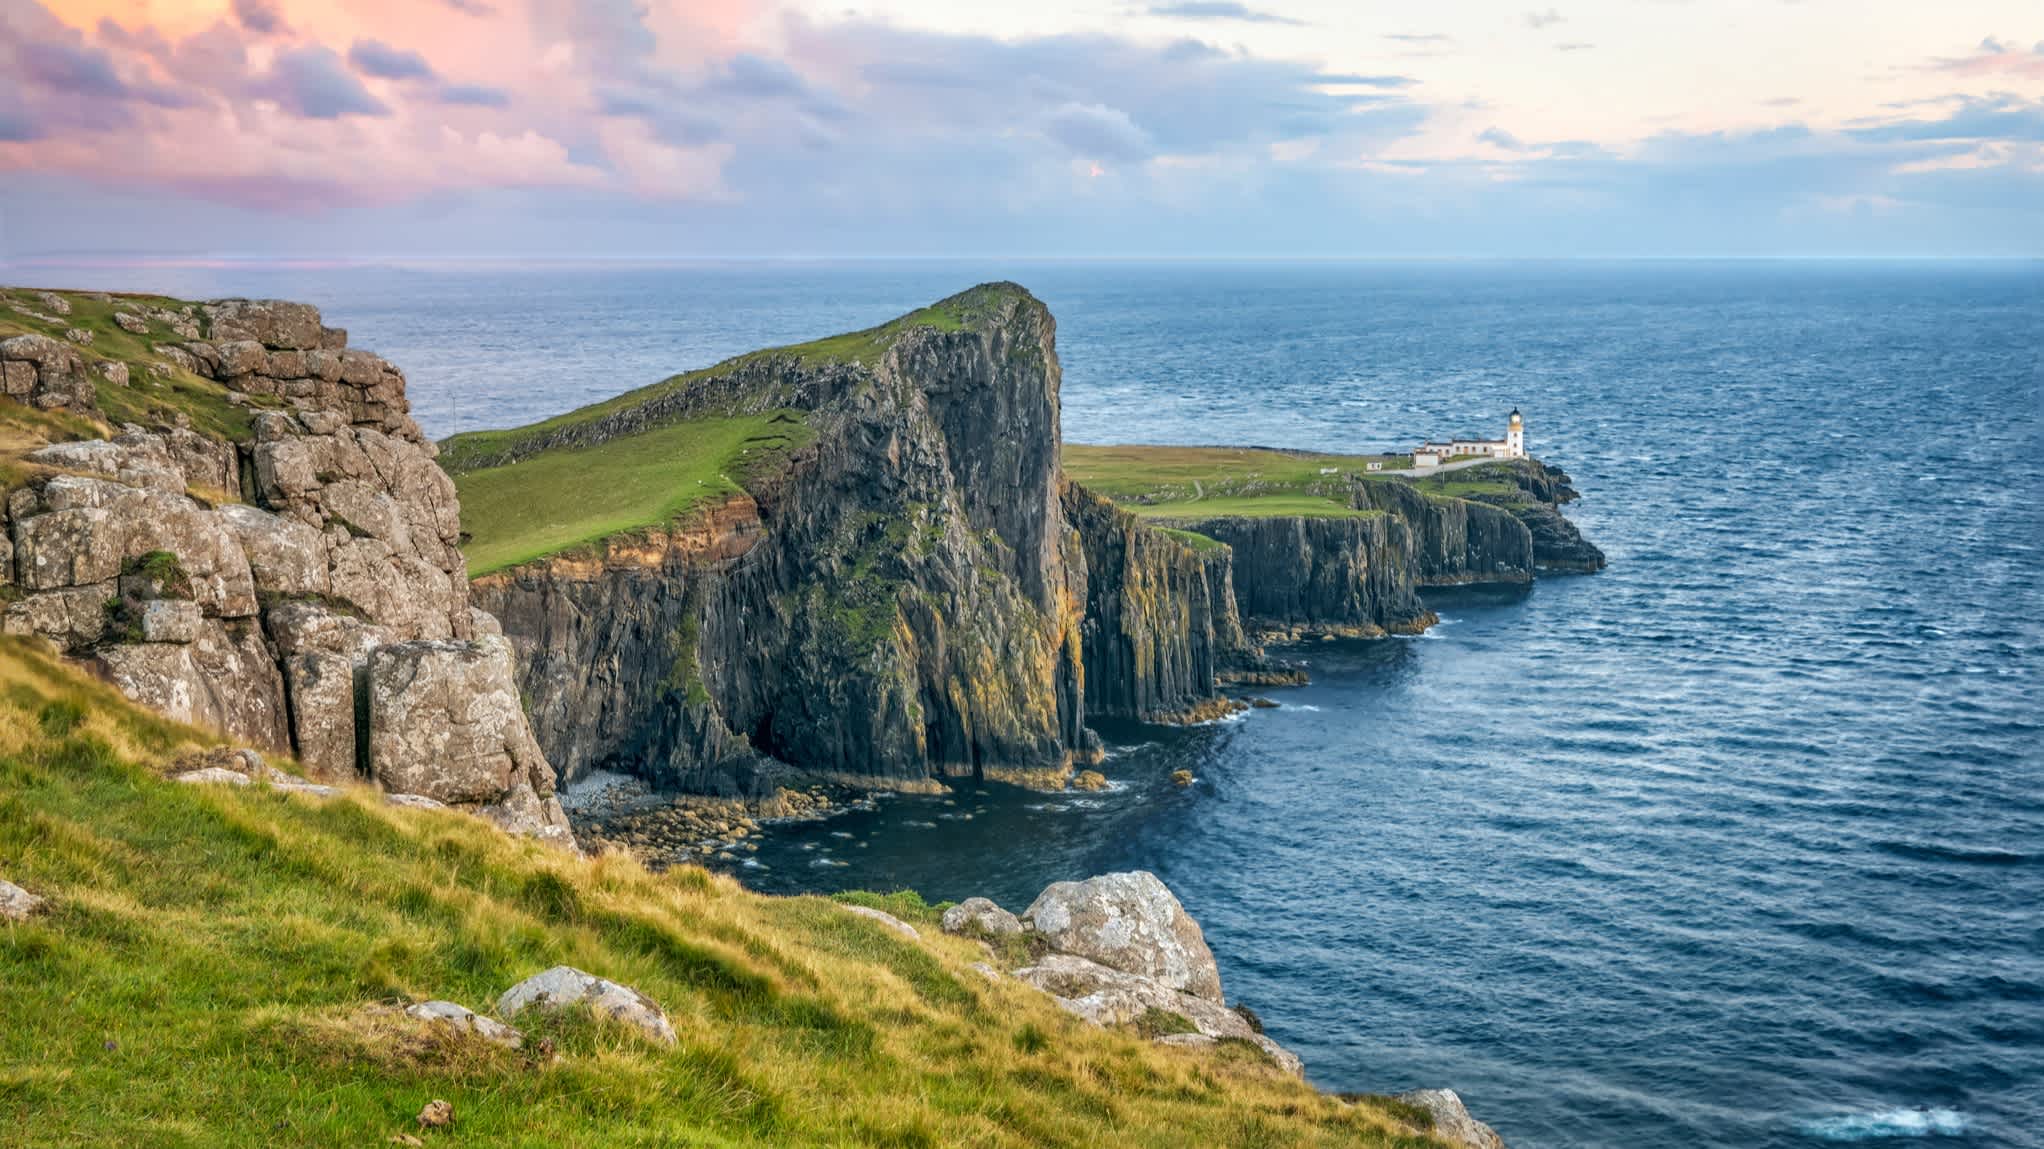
<point x="1515" y="436"/>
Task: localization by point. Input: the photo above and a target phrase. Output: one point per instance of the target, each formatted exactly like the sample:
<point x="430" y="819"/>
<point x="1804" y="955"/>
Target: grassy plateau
<point x="224" y="966"/>
<point x="1212" y="482"/>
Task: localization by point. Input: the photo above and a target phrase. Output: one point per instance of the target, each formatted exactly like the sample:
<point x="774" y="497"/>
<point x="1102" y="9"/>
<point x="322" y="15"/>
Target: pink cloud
<point x="1997" y="57"/>
<point x="301" y="105"/>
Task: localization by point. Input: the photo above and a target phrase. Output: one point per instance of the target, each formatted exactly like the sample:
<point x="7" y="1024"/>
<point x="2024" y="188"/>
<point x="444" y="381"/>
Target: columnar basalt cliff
<point x="294" y="582"/>
<point x="1161" y="625"/>
<point x="917" y="592"/>
<point x="1362" y="574"/>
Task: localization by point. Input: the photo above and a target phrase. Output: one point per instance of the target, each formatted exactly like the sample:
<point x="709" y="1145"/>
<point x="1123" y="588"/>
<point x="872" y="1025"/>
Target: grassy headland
<point x="222" y="966"/>
<point x="552" y="498"/>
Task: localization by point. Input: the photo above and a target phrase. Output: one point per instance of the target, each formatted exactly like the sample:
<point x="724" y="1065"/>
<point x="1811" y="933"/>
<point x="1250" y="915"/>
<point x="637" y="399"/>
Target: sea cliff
<point x="912" y="588"/>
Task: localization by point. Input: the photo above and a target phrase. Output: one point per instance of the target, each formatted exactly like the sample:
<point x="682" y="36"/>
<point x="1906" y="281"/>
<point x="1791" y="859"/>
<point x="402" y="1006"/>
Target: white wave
<point x="1879" y="1124"/>
<point x="839" y="834"/>
<point x="1301" y="706"/>
<point x="1236" y="716"/>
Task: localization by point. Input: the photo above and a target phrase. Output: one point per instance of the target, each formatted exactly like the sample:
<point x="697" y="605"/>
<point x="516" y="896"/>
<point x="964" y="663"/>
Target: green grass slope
<point x="562" y="500"/>
<point x="222" y="967"/>
<point x="460" y="452"/>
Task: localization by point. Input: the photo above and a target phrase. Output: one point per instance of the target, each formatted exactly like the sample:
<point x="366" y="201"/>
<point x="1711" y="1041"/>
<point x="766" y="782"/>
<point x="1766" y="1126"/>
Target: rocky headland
<point x="913" y="588"/>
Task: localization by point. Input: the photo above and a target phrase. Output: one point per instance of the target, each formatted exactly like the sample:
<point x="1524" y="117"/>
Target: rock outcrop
<point x="1130" y="922"/>
<point x="1119" y="950"/>
<point x="1452" y="1122"/>
<point x="248" y="584"/>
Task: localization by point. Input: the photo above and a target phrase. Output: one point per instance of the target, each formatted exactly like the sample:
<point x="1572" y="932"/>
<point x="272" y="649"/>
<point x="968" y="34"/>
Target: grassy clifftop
<point x="1213" y="482"/>
<point x="156" y="392"/>
<point x="220" y="966"/>
<point x="473" y="449"/>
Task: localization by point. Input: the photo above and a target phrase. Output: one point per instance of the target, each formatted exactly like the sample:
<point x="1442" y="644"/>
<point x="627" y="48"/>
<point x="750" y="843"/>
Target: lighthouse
<point x="1515" y="436"/>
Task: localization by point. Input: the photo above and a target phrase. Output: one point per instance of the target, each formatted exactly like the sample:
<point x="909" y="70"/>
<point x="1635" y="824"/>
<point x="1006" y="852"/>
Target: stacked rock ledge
<point x="251" y="587"/>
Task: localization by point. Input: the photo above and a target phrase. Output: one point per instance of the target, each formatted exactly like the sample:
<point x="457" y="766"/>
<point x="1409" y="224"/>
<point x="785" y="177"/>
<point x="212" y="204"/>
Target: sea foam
<point x="1877" y="1124"/>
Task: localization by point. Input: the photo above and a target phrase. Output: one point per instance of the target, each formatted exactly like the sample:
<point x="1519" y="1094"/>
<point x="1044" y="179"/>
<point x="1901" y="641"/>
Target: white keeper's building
<point x="1512" y="446"/>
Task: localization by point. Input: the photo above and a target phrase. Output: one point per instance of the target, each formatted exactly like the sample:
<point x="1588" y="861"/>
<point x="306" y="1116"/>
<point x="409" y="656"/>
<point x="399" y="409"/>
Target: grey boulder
<point x="446" y="722"/>
<point x="16" y="904"/>
<point x="466" y="1022"/>
<point x="565" y="987"/>
<point x="980" y="917"/>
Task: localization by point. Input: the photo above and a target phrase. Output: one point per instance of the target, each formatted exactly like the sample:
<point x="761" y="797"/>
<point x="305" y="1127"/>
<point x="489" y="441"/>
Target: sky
<point x="671" y="129"/>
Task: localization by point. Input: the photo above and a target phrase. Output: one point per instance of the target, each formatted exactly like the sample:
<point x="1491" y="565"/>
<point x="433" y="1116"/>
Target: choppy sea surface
<point x="1738" y="843"/>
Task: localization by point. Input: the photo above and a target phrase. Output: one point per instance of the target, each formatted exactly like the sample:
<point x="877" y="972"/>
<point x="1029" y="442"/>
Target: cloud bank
<point x="552" y="127"/>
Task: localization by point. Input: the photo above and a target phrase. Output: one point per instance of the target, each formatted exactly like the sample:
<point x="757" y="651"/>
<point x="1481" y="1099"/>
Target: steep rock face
<point x="1160" y="623"/>
<point x="902" y="603"/>
<point x="919" y="593"/>
<point x="1353" y="576"/>
<point x="261" y="618"/>
<point x="1455" y="541"/>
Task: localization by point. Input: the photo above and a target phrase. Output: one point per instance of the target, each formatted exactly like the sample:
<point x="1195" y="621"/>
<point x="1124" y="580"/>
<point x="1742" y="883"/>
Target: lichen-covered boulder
<point x="1452" y="1122"/>
<point x="446" y="721"/>
<point x="564" y="987"/>
<point x="1130" y="922"/>
<point x="980" y="917"/>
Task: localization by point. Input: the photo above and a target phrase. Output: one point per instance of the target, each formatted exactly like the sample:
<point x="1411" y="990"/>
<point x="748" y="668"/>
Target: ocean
<point x="1737" y="843"/>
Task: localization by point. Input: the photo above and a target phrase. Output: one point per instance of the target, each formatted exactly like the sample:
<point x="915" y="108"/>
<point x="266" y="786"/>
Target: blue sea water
<point x="1737" y="843"/>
